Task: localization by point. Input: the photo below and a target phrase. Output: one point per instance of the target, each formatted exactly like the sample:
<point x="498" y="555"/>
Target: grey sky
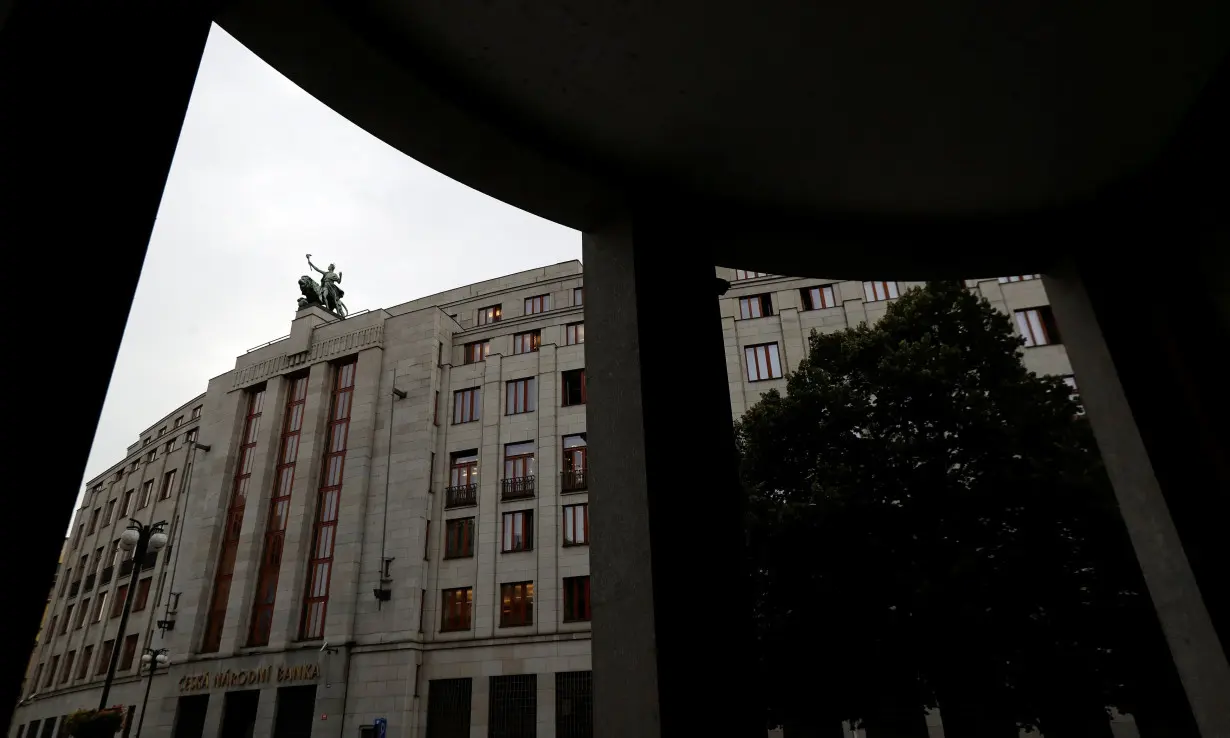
<point x="263" y="174"/>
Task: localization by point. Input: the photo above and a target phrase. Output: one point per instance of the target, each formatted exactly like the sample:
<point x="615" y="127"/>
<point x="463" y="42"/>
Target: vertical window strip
<point x="234" y="523"/>
<point x="320" y="558"/>
<point x="279" y="507"/>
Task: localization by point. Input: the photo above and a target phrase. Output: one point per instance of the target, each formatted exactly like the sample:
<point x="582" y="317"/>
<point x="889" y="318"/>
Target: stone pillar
<point x="1154" y="388"/>
<point x="87" y="90"/>
<point x="671" y="620"/>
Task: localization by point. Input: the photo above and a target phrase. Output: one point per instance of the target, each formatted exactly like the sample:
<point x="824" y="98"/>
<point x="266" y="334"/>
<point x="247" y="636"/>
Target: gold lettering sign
<point x="249" y="677"/>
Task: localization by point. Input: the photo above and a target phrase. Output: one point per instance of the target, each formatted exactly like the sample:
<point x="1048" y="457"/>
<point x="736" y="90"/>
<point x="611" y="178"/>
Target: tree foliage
<point x="931" y="521"/>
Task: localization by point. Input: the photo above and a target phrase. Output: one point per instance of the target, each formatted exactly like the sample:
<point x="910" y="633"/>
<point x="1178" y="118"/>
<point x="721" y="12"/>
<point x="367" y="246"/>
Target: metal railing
<point x="463" y="495"/>
<point x="517" y="488"/>
<point x="573" y="480"/>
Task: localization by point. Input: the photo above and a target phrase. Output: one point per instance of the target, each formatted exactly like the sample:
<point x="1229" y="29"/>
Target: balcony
<point x="517" y="488"/>
<point x="74" y="588"/>
<point x="150" y="560"/>
<point x="89" y="583"/>
<point x="463" y="495"/>
<point x="573" y="480"/>
<point x="125" y="568"/>
<point x="105" y="576"/>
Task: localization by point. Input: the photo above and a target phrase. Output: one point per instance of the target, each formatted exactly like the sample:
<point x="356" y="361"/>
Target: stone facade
<point x="382" y="656"/>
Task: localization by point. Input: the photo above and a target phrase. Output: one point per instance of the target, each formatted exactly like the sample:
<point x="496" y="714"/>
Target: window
<point x="435" y="409"/>
<point x="151" y="456"/>
<point x="490" y="314"/>
<point x="130" y="652"/>
<point x="147" y="491"/>
<point x="1076" y="395"/>
<point x="114" y="554"/>
<point x="576" y="525"/>
<point x="279" y="509"/>
<point x="38" y="674"/>
<point x="80" y="534"/>
<point x="51" y="673"/>
<point x="574" y="704"/>
<point x="537" y="304"/>
<point x="876" y="291"/>
<point x="519" y="460"/>
<point x="458" y="604"/>
<point x="216" y="612"/>
<point x="94" y="516"/>
<point x="815" y="298"/>
<point x="575" y="452"/>
<point x="51" y="625"/>
<point x="518" y="531"/>
<point x="459" y="538"/>
<point x="745" y="274"/>
<point x="476" y="351"/>
<point x="196" y="412"/>
<point x="179" y="421"/>
<point x="521" y="396"/>
<point x="171" y="445"/>
<point x="110" y="514"/>
<point x="128" y="498"/>
<point x="168" y="484"/>
<point x="465" y="405"/>
<point x="440" y="351"/>
<point x="100" y="605"/>
<point x="512" y="710"/>
<point x="117" y="604"/>
<point x="1037" y="326"/>
<point x="1020" y="278"/>
<point x="574" y="333"/>
<point x="86" y="653"/>
<point x="426" y="541"/>
<point x="422" y="607"/>
<point x="328" y="502"/>
<point x="576" y="599"/>
<point x="104" y="656"/>
<point x="528" y="342"/>
<point x="190" y="436"/>
<point x="64" y="582"/>
<point x="574" y="387"/>
<point x="516" y="604"/>
<point x="99" y="553"/>
<point x="82" y="612"/>
<point x="138" y="602"/>
<point x="578" y="295"/>
<point x="763" y="362"/>
<point x="68" y="667"/>
<point x="756" y="306"/>
<point x="68" y="619"/>
<point x="162" y="431"/>
<point x="465" y="469"/>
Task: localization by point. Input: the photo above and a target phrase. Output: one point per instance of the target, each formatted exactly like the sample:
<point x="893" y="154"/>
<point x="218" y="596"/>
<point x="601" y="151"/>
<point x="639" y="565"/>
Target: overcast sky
<point x="265" y="173"/>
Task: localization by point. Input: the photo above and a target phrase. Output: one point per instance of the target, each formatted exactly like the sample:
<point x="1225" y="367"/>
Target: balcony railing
<point x="573" y="480"/>
<point x="105" y="576"/>
<point x="74" y="588"/>
<point x="89" y="583"/>
<point x="517" y="488"/>
<point x="125" y="568"/>
<point x="462" y="495"/>
<point x="150" y="560"/>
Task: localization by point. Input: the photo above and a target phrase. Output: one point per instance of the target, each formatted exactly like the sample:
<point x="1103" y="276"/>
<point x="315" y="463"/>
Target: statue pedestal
<point x="304" y="323"/>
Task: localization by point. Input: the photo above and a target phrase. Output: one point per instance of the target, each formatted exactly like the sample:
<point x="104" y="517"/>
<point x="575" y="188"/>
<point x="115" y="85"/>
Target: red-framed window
<point x="464" y="471"/>
<point x="573" y="385"/>
<point x="279" y="509"/>
<point x="147" y="492"/>
<point x="876" y="291"/>
<point x="466" y="405"/>
<point x="104" y="657"/>
<point x="576" y="599"/>
<point x="521" y="396"/>
<point x="763" y="362"/>
<point x="576" y="525"/>
<point x="746" y="274"/>
<point x="519" y="460"/>
<point x="234" y="522"/>
<point x="516" y="604"/>
<point x="142" y="596"/>
<point x="575" y="452"/>
<point x="1037" y="326"/>
<point x="537" y="304"/>
<point x="1019" y="278"/>
<point x="459" y="538"/>
<point x="578" y="295"/>
<point x="476" y="351"/>
<point x="117" y="604"/>
<point x="129" y="653"/>
<point x="458" y="605"/>
<point x="526" y="343"/>
<point x="755" y="306"/>
<point x="518" y="530"/>
<point x="168" y="484"/>
<point x="320" y="558"/>
<point x="816" y="298"/>
<point x="490" y="314"/>
<point x="574" y="333"/>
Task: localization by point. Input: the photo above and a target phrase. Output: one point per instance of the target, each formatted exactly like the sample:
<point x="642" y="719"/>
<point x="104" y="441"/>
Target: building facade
<point x="381" y="523"/>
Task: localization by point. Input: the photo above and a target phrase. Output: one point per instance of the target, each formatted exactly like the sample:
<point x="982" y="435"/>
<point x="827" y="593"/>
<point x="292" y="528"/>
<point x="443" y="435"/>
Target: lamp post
<point x="153" y="658"/>
<point x="140" y="539"/>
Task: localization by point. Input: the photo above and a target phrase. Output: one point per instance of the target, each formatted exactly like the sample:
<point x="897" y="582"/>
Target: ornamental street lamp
<point x="140" y="539"/>
<point x="152" y="659"/>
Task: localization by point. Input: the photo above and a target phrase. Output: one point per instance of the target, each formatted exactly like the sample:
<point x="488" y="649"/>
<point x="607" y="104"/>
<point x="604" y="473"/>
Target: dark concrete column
<point x="1146" y="340"/>
<point x="672" y="646"/>
<point x="92" y="98"/>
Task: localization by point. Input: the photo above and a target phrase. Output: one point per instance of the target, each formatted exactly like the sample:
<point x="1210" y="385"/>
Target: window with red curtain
<point x="459" y="538"/>
<point x="279" y="506"/>
<point x="129" y="653"/>
<point x="457" y="606"/>
<point x="320" y="563"/>
<point x="142" y="596"/>
<point x="576" y="599"/>
<point x="234" y="522"/>
<point x="516" y="604"/>
<point x="117" y="605"/>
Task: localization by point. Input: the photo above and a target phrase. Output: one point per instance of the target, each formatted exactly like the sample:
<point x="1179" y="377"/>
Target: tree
<point x="929" y="522"/>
